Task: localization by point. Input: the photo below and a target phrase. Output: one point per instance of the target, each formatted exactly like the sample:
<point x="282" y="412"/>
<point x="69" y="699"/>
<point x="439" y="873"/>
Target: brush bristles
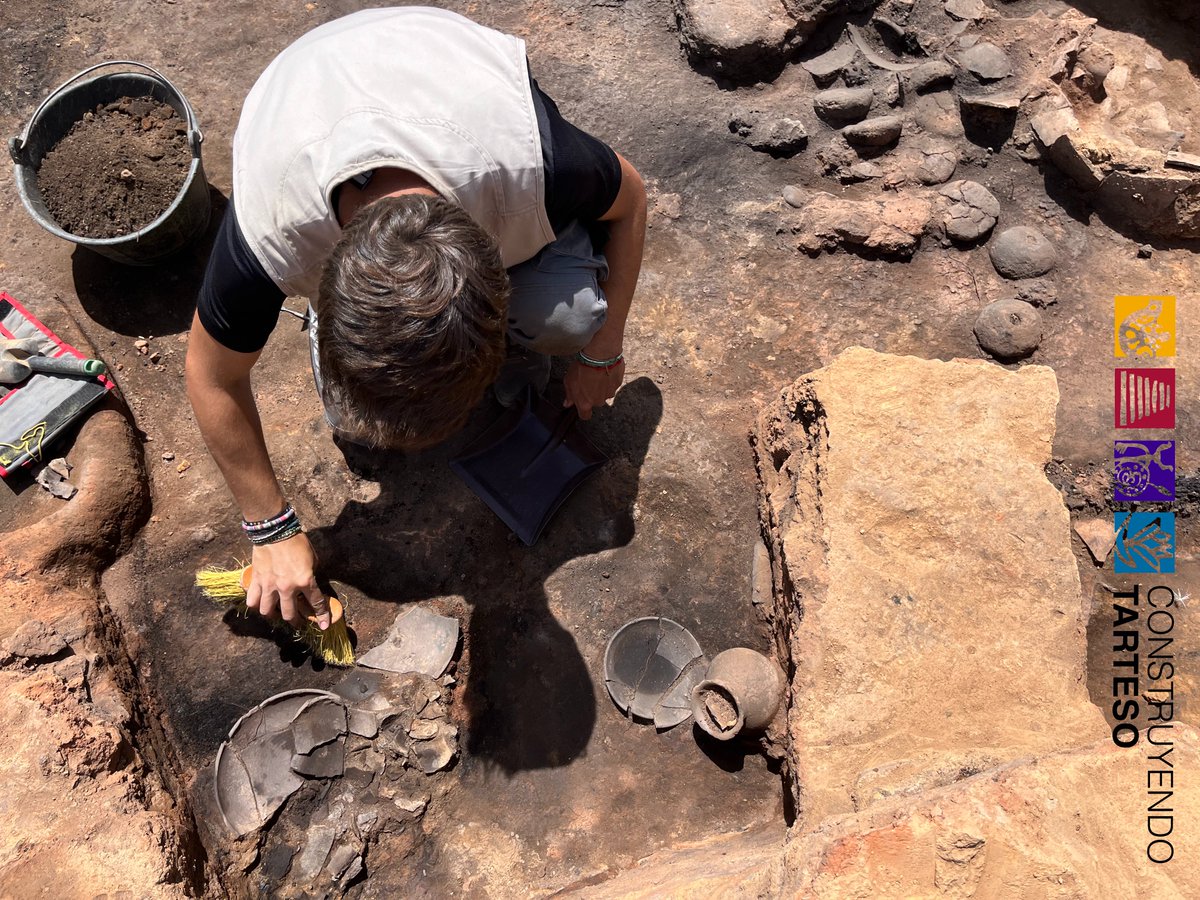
<point x="224" y="588"/>
<point x="221" y="586"/>
<point x="332" y="645"/>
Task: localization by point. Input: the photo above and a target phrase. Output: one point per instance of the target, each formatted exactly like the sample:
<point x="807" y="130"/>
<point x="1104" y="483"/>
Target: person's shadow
<point x="530" y="699"/>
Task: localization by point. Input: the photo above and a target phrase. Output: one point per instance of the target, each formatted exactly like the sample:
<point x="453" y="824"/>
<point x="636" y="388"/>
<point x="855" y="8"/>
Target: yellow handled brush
<point x="227" y="587"/>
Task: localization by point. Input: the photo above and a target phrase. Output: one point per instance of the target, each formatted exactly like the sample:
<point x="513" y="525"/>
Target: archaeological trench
<point x="865" y="431"/>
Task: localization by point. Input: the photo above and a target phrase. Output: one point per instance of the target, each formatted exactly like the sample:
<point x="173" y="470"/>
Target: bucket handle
<point x="16" y="145"/>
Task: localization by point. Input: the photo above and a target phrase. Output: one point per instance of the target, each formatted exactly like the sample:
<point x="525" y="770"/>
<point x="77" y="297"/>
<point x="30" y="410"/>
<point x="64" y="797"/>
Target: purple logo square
<point x="1143" y="470"/>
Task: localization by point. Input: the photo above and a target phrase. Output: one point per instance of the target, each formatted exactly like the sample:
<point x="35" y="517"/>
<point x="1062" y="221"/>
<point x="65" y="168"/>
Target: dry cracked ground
<point x="823" y="175"/>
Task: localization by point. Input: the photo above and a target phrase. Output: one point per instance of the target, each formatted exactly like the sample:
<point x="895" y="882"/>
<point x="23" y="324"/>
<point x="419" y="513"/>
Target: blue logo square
<point x="1145" y="542"/>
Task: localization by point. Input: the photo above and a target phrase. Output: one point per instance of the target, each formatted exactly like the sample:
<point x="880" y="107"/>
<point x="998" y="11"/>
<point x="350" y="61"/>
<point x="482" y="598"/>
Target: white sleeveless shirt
<point x="413" y="88"/>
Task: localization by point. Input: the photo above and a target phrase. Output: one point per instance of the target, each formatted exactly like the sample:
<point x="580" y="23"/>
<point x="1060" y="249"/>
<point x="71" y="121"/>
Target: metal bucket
<point x="186" y="217"/>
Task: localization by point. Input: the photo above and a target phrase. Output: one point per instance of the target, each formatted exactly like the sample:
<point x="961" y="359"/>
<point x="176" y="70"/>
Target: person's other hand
<point x="588" y="387"/>
<point x="283" y="583"/>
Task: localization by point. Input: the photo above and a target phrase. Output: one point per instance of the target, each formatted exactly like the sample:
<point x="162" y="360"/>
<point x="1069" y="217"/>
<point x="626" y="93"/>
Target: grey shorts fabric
<point x="556" y="305"/>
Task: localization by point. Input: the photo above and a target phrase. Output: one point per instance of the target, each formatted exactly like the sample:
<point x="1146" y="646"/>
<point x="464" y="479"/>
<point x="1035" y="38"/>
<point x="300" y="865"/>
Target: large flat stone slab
<point x="926" y="593"/>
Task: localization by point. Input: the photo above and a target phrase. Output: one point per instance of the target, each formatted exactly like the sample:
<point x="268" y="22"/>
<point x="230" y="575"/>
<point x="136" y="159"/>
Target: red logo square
<point x="1144" y="398"/>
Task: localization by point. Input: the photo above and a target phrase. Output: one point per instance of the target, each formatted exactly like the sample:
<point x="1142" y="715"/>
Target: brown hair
<point x="411" y="318"/>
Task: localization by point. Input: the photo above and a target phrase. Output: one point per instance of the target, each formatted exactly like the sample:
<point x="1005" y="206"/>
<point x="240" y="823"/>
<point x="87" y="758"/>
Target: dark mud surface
<point x="117" y="170"/>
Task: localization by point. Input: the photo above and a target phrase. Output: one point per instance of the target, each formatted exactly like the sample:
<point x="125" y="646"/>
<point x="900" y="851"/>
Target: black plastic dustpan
<point x="527" y="463"/>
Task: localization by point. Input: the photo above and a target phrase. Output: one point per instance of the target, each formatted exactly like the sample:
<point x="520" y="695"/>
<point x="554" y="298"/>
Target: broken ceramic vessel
<point x="740" y="692"/>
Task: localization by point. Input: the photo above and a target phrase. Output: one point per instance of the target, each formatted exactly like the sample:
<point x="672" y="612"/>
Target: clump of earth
<point x="118" y="169"/>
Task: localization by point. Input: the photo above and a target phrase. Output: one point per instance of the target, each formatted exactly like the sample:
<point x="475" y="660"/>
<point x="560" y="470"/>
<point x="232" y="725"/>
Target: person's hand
<point x="589" y="387"/>
<point x="283" y="584"/>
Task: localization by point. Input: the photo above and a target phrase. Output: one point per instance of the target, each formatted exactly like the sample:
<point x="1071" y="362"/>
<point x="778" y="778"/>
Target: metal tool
<point x="19" y="358"/>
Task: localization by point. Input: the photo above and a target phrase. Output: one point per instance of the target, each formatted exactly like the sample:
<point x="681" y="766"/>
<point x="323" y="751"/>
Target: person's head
<point x="411" y="318"/>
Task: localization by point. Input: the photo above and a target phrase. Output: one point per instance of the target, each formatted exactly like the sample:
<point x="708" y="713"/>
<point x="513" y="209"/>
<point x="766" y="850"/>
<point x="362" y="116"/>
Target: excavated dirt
<point x="553" y="788"/>
<point x="116" y="170"/>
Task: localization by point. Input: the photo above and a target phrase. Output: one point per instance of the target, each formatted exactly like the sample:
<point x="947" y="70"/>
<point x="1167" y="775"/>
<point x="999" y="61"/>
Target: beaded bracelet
<point x="606" y="364"/>
<point x="277" y="528"/>
<point x="266" y="524"/>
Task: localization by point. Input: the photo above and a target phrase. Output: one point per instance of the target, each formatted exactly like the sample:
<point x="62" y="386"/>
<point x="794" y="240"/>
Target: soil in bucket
<point x="117" y="169"/>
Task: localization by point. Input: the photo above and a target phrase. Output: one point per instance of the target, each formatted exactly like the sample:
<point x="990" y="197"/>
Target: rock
<point x="837" y="156"/>
<point x="892" y="92"/>
<point x="1040" y="292"/>
<point x="865" y="171"/>
<point x="1098" y="536"/>
<point x="972" y="211"/>
<point x="1145" y="251"/>
<point x="938" y="114"/>
<point x="794" y="196"/>
<point x="1166" y="204"/>
<point x="780" y="137"/>
<point x="1022" y="252"/>
<point x="877" y="132"/>
<point x="1116" y="80"/>
<point x="1009" y="329"/>
<point x="411" y="804"/>
<point x="871" y="470"/>
<point x="937" y="167"/>
<point x="419" y="641"/>
<point x="809" y="14"/>
<point x="203" y="535"/>
<point x="744" y="40"/>
<point x="931" y="76"/>
<point x="55" y="478"/>
<point x="889" y="227"/>
<point x="985" y="61"/>
<point x="34" y="641"/>
<point x="844" y="104"/>
<point x="967" y="10"/>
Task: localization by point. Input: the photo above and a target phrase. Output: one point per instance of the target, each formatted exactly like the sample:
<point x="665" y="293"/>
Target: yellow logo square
<point x="1144" y="326"/>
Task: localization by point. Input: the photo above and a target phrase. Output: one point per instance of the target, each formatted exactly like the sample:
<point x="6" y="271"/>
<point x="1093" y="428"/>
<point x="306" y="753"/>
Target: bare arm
<point x="218" y="386"/>
<point x="587" y="387"/>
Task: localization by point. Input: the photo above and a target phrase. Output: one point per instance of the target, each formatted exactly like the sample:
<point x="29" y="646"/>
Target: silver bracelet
<point x="599" y="363"/>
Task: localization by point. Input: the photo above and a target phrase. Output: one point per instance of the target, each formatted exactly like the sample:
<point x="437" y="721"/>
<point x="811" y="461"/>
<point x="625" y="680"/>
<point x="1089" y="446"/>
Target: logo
<point x="1145" y="326"/>
<point x="1143" y="470"/>
<point x="1144" y="398"/>
<point x="1145" y="542"/>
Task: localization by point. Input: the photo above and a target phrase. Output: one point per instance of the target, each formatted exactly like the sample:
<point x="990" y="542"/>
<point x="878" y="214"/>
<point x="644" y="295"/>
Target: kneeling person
<point x="401" y="168"/>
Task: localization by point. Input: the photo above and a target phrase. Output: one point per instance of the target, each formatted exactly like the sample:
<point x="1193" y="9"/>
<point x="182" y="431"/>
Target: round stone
<point x="931" y="76"/>
<point x="877" y="132"/>
<point x="972" y="210"/>
<point x="793" y="195"/>
<point x="1009" y="329"/>
<point x="844" y="104"/>
<point x="1022" y="252"/>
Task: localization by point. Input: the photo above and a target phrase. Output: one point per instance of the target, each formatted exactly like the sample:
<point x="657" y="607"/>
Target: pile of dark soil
<point x="117" y="169"/>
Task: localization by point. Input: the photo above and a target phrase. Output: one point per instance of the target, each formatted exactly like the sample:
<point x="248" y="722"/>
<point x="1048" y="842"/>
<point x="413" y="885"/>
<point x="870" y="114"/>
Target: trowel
<point x="527" y="463"/>
<point x="19" y="358"/>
